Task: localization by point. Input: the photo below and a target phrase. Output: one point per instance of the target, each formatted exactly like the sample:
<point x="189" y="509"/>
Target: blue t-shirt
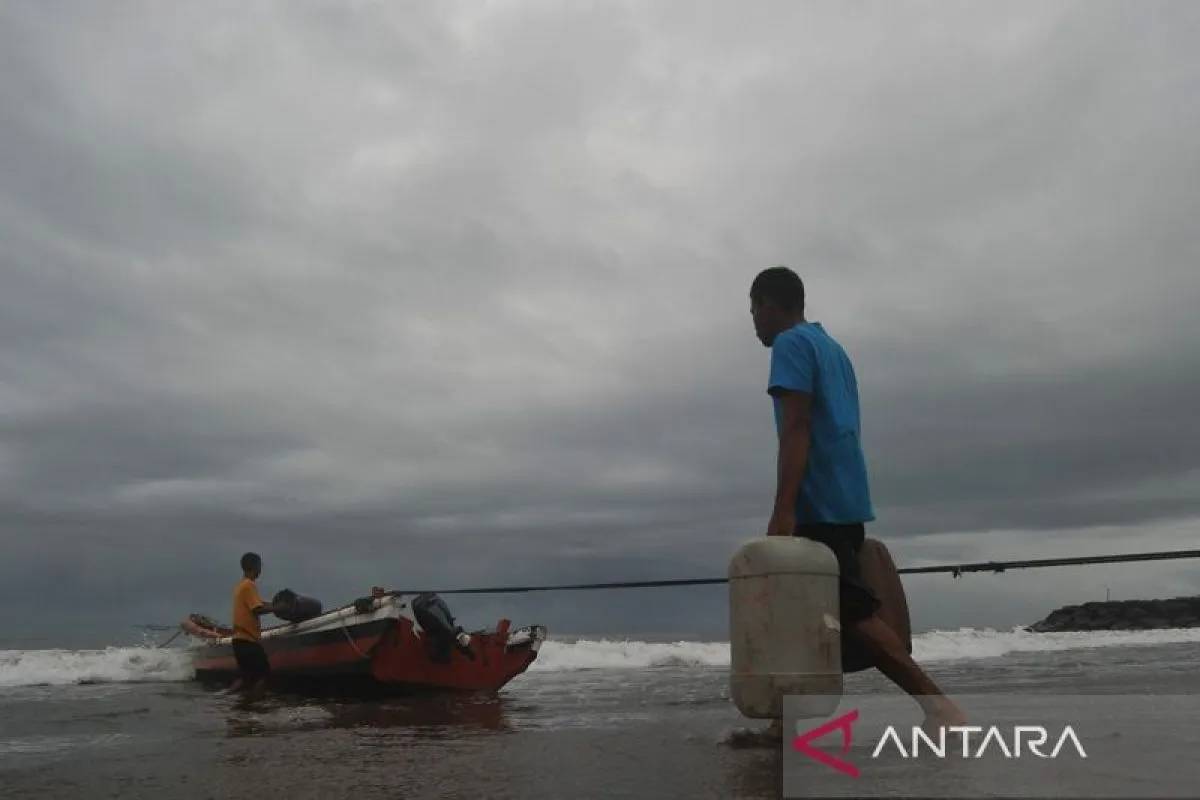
<point x="806" y="359"/>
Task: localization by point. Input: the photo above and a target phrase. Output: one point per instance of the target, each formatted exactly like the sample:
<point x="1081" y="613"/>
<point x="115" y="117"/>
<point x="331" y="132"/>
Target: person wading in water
<point x="822" y="491"/>
<point x="253" y="666"/>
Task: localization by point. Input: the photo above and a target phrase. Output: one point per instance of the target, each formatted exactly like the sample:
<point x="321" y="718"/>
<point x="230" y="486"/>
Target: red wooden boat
<point x="390" y="641"/>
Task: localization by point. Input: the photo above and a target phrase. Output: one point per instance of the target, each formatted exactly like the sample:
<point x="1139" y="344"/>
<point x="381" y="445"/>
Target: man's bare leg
<point x="892" y="659"/>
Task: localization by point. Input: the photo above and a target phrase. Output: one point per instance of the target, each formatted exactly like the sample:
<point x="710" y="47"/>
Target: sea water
<point x="593" y="717"/>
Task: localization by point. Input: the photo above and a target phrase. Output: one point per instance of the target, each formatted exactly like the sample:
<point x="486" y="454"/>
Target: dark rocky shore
<point x="1123" y="615"/>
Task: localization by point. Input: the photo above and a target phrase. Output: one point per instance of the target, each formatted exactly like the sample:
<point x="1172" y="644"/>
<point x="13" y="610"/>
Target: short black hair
<point x="780" y="286"/>
<point x="251" y="561"/>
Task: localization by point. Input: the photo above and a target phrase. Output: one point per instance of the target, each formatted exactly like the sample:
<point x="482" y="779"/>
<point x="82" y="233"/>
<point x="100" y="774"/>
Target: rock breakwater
<point x="1123" y="615"/>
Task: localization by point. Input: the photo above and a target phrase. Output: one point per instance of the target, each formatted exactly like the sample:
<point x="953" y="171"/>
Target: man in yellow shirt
<point x="247" y="608"/>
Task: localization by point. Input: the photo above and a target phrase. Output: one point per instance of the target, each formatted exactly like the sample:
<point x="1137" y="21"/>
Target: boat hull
<point x="380" y="649"/>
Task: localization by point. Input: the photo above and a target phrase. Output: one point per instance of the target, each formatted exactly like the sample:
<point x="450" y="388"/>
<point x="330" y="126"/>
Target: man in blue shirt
<point x="822" y="491"/>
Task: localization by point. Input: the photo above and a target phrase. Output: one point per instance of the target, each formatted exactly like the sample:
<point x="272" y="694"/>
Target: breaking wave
<point x="973" y="643"/>
<point x="960" y="645"/>
<point x="629" y="654"/>
<point x="110" y="665"/>
<point x="146" y="664"/>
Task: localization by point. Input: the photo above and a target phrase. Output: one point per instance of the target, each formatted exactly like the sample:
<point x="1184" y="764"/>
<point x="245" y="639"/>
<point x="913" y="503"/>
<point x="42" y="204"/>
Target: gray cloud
<point x="467" y="286"/>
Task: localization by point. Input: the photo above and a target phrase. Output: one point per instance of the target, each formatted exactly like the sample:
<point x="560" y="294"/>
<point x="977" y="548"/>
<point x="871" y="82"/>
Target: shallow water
<point x="593" y="719"/>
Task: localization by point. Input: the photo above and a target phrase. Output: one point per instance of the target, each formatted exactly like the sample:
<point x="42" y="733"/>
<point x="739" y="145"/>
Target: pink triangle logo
<point x="802" y="743"/>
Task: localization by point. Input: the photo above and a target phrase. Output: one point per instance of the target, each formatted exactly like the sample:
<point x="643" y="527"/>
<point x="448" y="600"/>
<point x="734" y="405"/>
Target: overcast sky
<point x="455" y="293"/>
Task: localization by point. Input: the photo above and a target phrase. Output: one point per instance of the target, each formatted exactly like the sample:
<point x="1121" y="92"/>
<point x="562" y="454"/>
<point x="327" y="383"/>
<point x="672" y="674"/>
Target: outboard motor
<point x="296" y="608"/>
<point x="434" y="617"/>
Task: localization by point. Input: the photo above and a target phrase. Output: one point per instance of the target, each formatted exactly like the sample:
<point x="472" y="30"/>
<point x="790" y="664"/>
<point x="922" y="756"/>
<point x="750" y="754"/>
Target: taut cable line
<point x="956" y="570"/>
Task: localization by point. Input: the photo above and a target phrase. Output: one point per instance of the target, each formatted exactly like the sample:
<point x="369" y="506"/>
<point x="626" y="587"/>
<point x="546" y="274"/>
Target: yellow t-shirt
<point x="245" y="600"/>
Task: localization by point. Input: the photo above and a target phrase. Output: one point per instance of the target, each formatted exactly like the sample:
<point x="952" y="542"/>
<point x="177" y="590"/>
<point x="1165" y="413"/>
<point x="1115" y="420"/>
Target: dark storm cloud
<point x="458" y="294"/>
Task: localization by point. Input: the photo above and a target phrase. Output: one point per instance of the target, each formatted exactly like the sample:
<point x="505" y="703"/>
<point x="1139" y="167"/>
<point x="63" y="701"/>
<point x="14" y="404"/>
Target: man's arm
<point x="259" y="607"/>
<point x="795" y="431"/>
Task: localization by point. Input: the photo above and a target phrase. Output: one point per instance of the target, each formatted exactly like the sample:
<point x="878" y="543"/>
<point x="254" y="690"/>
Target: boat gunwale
<point x="346" y="616"/>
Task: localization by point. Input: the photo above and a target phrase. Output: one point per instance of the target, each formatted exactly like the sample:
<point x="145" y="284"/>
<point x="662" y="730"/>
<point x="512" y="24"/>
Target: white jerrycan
<point x="784" y="634"/>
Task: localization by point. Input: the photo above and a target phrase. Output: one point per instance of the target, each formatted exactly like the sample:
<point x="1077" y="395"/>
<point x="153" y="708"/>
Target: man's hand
<point x="781" y="524"/>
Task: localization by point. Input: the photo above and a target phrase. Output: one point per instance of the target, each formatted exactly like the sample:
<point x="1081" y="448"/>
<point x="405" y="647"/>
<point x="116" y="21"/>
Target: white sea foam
<point x="960" y="645"/>
<point x="132" y="664"/>
<point x="629" y="654"/>
<point x="973" y="643"/>
<point x="111" y="665"/>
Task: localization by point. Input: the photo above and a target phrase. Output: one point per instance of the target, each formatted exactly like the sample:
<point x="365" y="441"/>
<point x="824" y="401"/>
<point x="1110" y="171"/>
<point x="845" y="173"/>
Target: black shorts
<point x="857" y="599"/>
<point x="251" y="659"/>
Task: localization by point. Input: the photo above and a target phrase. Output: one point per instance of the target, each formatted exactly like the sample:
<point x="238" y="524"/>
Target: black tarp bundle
<point x="293" y="607"/>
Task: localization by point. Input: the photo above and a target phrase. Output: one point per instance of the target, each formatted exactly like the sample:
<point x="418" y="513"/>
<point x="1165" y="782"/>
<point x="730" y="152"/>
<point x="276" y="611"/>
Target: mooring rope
<point x="350" y="639"/>
<point x="178" y="633"/>
<point x="956" y="570"/>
